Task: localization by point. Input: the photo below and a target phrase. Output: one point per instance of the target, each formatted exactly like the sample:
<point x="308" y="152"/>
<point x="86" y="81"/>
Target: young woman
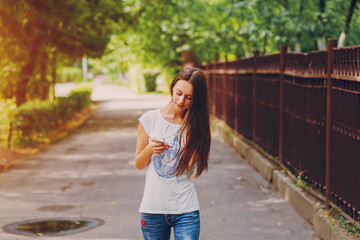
<point x="173" y="143"/>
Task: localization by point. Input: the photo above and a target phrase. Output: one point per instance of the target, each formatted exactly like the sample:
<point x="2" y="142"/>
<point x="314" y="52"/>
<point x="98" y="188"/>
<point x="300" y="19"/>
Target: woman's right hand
<point x="145" y="148"/>
<point x="157" y="147"/>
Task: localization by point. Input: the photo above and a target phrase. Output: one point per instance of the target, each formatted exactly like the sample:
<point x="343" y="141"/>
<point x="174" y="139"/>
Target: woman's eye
<point x="188" y="98"/>
<point x="179" y="94"/>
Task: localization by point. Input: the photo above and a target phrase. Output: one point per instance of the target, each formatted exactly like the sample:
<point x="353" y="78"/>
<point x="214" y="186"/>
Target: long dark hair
<point x="196" y="128"/>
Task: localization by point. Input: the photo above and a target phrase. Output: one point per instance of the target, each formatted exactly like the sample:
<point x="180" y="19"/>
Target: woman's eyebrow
<point x="178" y="90"/>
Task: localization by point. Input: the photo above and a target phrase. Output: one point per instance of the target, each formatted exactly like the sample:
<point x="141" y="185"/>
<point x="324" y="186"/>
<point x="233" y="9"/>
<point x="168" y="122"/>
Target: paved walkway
<point x="91" y="173"/>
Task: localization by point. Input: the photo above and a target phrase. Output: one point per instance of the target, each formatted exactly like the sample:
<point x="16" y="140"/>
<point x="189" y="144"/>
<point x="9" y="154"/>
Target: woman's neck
<point x="172" y="115"/>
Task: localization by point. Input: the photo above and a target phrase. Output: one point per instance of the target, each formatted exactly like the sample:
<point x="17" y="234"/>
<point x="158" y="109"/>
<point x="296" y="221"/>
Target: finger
<point x="156" y="144"/>
<point x="158" y="149"/>
<point x="161" y="149"/>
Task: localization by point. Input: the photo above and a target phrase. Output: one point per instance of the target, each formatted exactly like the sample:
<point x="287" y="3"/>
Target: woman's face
<point x="182" y="95"/>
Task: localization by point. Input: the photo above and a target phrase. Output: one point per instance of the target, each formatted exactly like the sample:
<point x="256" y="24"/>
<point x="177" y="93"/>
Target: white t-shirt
<point x="166" y="193"/>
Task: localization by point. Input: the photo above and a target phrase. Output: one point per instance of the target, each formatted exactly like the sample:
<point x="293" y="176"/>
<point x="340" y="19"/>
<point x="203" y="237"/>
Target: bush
<point x="5" y="107"/>
<point x="81" y="97"/>
<point x="35" y="120"/>
<point x="64" y="109"/>
<point x="150" y="81"/>
<point x="69" y="74"/>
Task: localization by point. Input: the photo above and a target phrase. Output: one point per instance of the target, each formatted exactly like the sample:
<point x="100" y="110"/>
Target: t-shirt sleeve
<point x="145" y="120"/>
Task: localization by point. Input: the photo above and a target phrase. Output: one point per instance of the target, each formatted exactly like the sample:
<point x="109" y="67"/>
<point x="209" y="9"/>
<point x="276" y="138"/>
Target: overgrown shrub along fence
<point x="303" y="108"/>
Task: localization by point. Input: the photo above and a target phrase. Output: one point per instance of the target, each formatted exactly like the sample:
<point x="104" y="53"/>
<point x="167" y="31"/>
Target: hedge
<point x="35" y="120"/>
<point x="69" y="74"/>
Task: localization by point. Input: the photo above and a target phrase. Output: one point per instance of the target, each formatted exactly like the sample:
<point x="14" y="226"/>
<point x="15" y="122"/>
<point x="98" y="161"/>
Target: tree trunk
<point x="43" y="84"/>
<point x="342" y="39"/>
<point x="53" y="76"/>
<point x="27" y="70"/>
<point x="264" y="45"/>
<point x="190" y="58"/>
<point x="246" y="48"/>
<point x="286" y="4"/>
<point x="344" y="34"/>
<point x="321" y="42"/>
<point x="297" y="43"/>
<point x="321" y="37"/>
<point x="21" y="87"/>
<point x="298" y="35"/>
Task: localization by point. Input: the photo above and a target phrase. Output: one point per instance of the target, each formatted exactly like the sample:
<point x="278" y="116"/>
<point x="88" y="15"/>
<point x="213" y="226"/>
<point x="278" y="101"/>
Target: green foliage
<point x="33" y="118"/>
<point x="302" y="184"/>
<point x="69" y="74"/>
<point x="81" y="96"/>
<point x="156" y="34"/>
<point x="5" y="107"/>
<point x="164" y="31"/>
<point x="167" y="75"/>
<point x="274" y="159"/>
<point x="136" y="75"/>
<point x="167" y="29"/>
<point x="351" y="227"/>
<point x="36" y="120"/>
<point x="118" y="56"/>
<point x="9" y="68"/>
<point x="36" y="31"/>
<point x="150" y="81"/>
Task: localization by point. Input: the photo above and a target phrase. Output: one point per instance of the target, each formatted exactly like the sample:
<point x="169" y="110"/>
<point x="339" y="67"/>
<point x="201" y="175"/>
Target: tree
<point x="172" y="32"/>
<point x="49" y="27"/>
<point x="344" y="34"/>
<point x="169" y="33"/>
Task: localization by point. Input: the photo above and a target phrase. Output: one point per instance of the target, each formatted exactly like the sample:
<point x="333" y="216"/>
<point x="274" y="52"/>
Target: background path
<point x="91" y="173"/>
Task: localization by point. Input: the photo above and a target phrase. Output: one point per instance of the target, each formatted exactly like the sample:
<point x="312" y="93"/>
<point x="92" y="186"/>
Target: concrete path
<point x="91" y="174"/>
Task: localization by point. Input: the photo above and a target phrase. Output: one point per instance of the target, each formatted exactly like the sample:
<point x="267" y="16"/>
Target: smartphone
<point x="159" y="140"/>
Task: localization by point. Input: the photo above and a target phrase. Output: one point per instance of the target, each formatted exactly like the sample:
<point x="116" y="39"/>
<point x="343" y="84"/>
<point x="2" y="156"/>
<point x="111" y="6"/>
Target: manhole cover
<point x="52" y="227"/>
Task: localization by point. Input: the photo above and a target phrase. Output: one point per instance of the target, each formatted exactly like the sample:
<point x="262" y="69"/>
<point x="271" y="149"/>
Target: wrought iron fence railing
<point x="303" y="108"/>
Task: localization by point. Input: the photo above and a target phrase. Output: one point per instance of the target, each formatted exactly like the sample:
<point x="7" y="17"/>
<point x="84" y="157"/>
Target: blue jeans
<point x="158" y="226"/>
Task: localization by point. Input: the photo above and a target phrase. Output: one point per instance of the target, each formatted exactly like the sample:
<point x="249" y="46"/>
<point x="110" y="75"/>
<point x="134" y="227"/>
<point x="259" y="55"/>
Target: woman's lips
<point x="180" y="105"/>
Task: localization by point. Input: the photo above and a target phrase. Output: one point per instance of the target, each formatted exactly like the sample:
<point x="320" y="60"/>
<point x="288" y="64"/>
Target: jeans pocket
<point x="194" y="214"/>
<point x="144" y="214"/>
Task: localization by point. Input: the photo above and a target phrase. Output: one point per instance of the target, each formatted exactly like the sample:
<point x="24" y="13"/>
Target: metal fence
<point x="303" y="108"/>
